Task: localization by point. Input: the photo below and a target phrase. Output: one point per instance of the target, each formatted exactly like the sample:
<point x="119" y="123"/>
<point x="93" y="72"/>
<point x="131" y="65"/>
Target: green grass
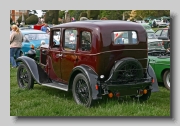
<point x="45" y="101"/>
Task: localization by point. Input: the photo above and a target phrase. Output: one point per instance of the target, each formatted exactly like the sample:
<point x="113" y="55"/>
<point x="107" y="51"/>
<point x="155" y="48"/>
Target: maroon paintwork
<point x="103" y="53"/>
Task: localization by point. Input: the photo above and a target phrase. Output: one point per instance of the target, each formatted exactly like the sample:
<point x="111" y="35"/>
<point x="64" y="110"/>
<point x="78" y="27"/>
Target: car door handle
<point x="58" y="55"/>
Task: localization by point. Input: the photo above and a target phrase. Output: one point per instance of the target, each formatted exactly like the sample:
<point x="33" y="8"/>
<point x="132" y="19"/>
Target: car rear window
<point x="124" y="37"/>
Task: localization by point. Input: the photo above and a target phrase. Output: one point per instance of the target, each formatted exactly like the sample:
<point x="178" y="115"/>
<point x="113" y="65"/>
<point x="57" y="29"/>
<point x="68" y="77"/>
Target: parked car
<point x="93" y="66"/>
<point x="159" y="59"/>
<point x="33" y="39"/>
<point x="160" y="23"/>
<point x="25" y="28"/>
<point x="162" y="33"/>
<point x="150" y="33"/>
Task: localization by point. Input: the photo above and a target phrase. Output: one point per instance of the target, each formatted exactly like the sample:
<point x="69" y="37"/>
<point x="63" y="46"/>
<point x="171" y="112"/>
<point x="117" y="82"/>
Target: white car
<point x="160" y="23"/>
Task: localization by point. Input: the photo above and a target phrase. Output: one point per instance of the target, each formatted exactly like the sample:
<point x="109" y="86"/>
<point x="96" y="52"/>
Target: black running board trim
<point x="57" y="86"/>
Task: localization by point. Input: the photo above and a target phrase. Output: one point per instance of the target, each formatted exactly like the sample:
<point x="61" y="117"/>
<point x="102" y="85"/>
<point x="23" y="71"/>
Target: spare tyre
<point x="127" y="70"/>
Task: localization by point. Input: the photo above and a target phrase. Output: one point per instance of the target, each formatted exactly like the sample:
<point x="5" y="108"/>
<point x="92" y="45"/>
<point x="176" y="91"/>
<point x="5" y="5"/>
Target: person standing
<point x="16" y="39"/>
<point x="44" y="27"/>
<point x="169" y="31"/>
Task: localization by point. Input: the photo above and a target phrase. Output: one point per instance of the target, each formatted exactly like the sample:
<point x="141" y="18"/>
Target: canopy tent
<point x="165" y="17"/>
<point x="150" y="17"/>
<point x="158" y="18"/>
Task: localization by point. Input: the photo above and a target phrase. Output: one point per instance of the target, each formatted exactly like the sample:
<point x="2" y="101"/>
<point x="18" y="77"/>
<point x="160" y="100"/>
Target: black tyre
<point x="143" y="97"/>
<point x="24" y="77"/>
<point x="82" y="91"/>
<point x="21" y="54"/>
<point x="128" y="70"/>
<point x="166" y="79"/>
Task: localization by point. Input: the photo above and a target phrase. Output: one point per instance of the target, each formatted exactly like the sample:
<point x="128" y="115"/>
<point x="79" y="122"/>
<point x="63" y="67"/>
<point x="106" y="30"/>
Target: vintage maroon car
<point x="93" y="58"/>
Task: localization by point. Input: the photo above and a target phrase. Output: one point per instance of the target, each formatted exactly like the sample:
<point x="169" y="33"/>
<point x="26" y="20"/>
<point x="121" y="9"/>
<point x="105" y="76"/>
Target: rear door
<point x="68" y="53"/>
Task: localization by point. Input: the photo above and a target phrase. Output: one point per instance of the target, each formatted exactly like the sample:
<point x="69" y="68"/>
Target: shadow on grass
<point x="54" y="92"/>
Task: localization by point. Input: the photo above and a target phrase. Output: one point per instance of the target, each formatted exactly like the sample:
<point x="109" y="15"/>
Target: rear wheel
<point x="166" y="79"/>
<point x="24" y="77"/>
<point x="81" y="90"/>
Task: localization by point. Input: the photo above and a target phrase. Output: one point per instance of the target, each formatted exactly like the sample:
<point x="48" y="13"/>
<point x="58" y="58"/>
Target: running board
<point x="56" y="85"/>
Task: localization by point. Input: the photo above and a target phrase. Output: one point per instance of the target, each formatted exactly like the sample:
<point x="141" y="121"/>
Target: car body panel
<point x="160" y="64"/>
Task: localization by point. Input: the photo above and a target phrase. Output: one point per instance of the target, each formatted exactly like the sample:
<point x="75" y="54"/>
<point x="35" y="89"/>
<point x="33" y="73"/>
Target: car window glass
<point x="124" y="37"/>
<point x="85" y="41"/>
<point x="158" y="33"/>
<point x="38" y="36"/>
<point x="70" y="39"/>
<point x="164" y="33"/>
<point x="151" y="35"/>
<point x="156" y="45"/>
<point x="56" y="38"/>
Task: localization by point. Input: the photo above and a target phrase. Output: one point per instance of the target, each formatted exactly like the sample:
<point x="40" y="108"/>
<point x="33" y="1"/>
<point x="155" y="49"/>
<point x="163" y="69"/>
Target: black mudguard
<point x="92" y="78"/>
<point x="39" y="75"/>
<point x="151" y="73"/>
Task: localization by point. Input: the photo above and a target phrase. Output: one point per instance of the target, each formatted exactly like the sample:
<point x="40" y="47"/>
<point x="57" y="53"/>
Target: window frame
<point x="80" y="40"/>
<point x="64" y="37"/>
<point x="125" y="31"/>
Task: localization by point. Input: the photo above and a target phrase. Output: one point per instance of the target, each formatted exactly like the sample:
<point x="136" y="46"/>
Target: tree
<point x="48" y="19"/>
<point x="20" y="18"/>
<point x="93" y="14"/>
<point x="55" y="16"/>
<point x="82" y="14"/>
<point x="11" y="20"/>
<point x="61" y="14"/>
<point x="76" y="13"/>
<point x="33" y="19"/>
<point x="141" y="14"/>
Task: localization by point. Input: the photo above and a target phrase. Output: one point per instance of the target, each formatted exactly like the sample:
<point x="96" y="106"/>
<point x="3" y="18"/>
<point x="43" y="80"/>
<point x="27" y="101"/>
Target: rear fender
<point x="39" y="75"/>
<point x="151" y="73"/>
<point x="92" y="78"/>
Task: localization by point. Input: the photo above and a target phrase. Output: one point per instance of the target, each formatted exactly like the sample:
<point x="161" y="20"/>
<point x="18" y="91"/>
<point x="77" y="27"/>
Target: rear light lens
<point x="110" y="94"/>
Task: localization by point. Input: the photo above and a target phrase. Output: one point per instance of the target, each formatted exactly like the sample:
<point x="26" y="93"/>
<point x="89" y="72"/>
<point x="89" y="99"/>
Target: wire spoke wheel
<point x="128" y="71"/>
<point x="24" y="77"/>
<point x="81" y="90"/>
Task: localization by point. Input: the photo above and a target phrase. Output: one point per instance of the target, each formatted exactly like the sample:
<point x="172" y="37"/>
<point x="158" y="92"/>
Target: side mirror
<point x="163" y="37"/>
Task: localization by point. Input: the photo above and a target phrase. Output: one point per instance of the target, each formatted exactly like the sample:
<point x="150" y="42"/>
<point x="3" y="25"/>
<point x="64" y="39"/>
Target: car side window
<point x="70" y="39"/>
<point x="124" y="37"/>
<point x="56" y="38"/>
<point x="158" y="33"/>
<point x="85" y="41"/>
<point x="164" y="33"/>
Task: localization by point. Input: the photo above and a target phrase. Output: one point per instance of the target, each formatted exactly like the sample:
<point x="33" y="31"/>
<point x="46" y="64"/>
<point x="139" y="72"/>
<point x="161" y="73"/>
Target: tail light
<point x="110" y="94"/>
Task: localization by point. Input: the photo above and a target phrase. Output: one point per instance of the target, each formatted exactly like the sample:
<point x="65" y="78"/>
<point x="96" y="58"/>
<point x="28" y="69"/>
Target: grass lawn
<point x="45" y="101"/>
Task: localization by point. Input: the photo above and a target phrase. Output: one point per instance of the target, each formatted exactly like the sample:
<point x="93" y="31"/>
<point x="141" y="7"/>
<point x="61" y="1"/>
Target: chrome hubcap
<point x="168" y="79"/>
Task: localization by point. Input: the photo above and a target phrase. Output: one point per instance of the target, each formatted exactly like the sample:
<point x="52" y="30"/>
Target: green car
<point x="159" y="59"/>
